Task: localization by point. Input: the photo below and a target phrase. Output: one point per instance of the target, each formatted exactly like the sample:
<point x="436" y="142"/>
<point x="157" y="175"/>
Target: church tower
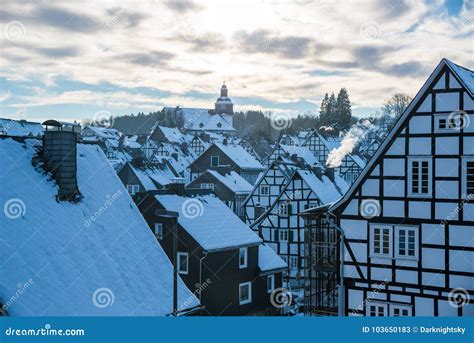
<point x="223" y="104"/>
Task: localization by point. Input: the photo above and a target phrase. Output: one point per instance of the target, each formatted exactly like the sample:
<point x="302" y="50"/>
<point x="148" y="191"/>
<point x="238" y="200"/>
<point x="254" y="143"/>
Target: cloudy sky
<point x="68" y="61"/>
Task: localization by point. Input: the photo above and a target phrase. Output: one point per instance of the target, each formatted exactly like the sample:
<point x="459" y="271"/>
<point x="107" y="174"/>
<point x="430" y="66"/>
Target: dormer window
<point x="201" y="125"/>
<point x="219" y="125"/>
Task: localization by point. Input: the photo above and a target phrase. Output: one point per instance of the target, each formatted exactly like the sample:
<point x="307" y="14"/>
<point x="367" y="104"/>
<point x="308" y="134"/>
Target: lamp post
<point x="174" y="219"/>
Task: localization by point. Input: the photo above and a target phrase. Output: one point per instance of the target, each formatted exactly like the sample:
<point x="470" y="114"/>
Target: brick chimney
<point x="60" y="156"/>
<point x="330" y="173"/>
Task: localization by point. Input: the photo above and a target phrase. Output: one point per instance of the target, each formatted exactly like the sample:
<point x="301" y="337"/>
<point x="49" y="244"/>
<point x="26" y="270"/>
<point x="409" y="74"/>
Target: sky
<point x="69" y="62"/>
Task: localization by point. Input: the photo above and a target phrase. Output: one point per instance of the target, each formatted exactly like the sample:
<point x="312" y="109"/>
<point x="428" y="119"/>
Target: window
<point x="376" y="310"/>
<point x="283" y="235"/>
<point x="245" y="293"/>
<point x="442" y="123"/>
<point x="285" y="210"/>
<point x="243" y="257"/>
<point x="381" y="240"/>
<point x="133" y="189"/>
<point x="207" y="186"/>
<point x="400" y="310"/>
<point x="406" y="239"/>
<point x="310" y="205"/>
<point x="264" y="190"/>
<point x="270" y="283"/>
<point x="468" y="177"/>
<point x="214" y="161"/>
<point x="158" y="230"/>
<point x="419" y="179"/>
<point x="294" y="262"/>
<point x="182" y="262"/>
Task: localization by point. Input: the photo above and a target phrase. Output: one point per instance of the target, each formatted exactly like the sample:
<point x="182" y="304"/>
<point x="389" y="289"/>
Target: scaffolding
<point x="322" y="272"/>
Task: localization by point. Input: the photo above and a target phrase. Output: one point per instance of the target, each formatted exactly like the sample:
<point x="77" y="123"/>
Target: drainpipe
<point x="200" y="273"/>
<point x="341" y="272"/>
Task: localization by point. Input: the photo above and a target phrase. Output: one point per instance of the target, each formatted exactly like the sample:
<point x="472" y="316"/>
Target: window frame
<point x="261" y="187"/>
<point x="133" y="189"/>
<point x="207" y="185"/>
<point x="400" y="307"/>
<point x="292" y="259"/>
<point x="280" y="231"/>
<point x="372" y="228"/>
<point x="218" y="161"/>
<point x="249" y="300"/>
<point x="465" y="160"/>
<point x="271" y="279"/>
<point x="162" y="230"/>
<point x="407" y="228"/>
<point x="179" y="256"/>
<point x="378" y="305"/>
<point x="246" y="257"/>
<point x="420" y="159"/>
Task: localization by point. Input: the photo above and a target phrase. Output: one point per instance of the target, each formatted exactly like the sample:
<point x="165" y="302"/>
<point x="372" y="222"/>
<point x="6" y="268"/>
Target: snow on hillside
<point x="79" y="257"/>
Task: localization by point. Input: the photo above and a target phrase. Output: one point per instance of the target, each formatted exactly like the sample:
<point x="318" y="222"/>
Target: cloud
<point x="179" y="6"/>
<point x="149" y="58"/>
<point x="65" y="19"/>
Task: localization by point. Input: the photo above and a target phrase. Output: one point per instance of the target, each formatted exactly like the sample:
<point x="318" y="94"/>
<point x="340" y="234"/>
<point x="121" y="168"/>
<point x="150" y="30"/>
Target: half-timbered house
<point x="405" y="226"/>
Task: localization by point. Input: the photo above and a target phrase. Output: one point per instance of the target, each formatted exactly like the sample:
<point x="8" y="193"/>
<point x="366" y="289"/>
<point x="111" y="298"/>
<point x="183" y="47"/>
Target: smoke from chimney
<point x="348" y="143"/>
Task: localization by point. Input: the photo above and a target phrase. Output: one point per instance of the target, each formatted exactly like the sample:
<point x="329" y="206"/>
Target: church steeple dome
<point x="223" y="104"/>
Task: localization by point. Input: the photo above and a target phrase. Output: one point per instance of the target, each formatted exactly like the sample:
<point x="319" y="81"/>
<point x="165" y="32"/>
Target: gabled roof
<point x="401" y="122"/>
<point x="155" y="173"/>
<point x="465" y="75"/>
<point x="240" y="156"/>
<point x="100" y="246"/>
<point x="302" y="152"/>
<point x="199" y="119"/>
<point x="326" y="190"/>
<point x="233" y="181"/>
<point x="210" y="222"/>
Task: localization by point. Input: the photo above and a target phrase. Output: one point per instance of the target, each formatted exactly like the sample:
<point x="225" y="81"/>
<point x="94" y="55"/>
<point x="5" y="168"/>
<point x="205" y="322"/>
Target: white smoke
<point x="355" y="134"/>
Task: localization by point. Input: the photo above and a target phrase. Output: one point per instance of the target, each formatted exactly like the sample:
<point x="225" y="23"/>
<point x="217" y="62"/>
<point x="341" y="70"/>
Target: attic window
<point x="214" y="161"/>
<point x="201" y="125"/>
<point x="219" y="125"/>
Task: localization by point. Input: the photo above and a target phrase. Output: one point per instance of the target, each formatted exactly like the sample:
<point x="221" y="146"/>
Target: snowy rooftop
<point x="210" y="222"/>
<point x="233" y="181"/>
<point x="201" y="119"/>
<point x="173" y="135"/>
<point x="240" y="156"/>
<point x="326" y="190"/>
<point x="20" y="128"/>
<point x="269" y="260"/>
<point x="466" y="75"/>
<point x="302" y="152"/>
<point x="159" y="173"/>
<point x="103" y="132"/>
<point x="77" y="255"/>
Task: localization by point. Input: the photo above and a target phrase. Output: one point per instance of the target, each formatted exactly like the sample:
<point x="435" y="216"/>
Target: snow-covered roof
<point x="79" y="256"/>
<point x="173" y="135"/>
<point x="302" y="152"/>
<point x="20" y="128"/>
<point x="358" y="160"/>
<point x="210" y="222"/>
<point x="268" y="259"/>
<point x="152" y="173"/>
<point x="201" y="120"/>
<point x="466" y="75"/>
<point x="103" y="132"/>
<point x="326" y="190"/>
<point x="233" y="181"/>
<point x="240" y="156"/>
<point x="331" y="142"/>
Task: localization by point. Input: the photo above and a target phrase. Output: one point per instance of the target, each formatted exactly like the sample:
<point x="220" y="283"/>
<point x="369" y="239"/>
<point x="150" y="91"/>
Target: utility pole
<point x="174" y="220"/>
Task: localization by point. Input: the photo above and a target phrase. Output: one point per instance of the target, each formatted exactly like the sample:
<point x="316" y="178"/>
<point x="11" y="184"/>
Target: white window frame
<point x="249" y="300"/>
<point x="271" y="280"/>
<point x="218" y="161"/>
<point x="465" y="159"/>
<point x="283" y="209"/>
<point x="180" y="256"/>
<point x="133" y="189"/>
<point x="281" y="233"/>
<point x="377" y="305"/>
<point x="261" y="188"/>
<point x="246" y="257"/>
<point x="372" y="240"/>
<point x="420" y="159"/>
<point x="442" y="116"/>
<point x="156" y="230"/>
<point x="207" y="185"/>
<point x="400" y="307"/>
<point x="397" y="242"/>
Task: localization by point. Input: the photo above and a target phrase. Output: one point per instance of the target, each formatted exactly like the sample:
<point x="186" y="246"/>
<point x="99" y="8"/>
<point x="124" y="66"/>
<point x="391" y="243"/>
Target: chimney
<point x="225" y="141"/>
<point x="60" y="156"/>
<point x="330" y="173"/>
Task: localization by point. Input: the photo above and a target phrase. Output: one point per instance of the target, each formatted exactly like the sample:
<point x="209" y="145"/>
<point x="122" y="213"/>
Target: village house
<point x="218" y="255"/>
<point x="230" y="188"/>
<point x="78" y="241"/>
<point x="400" y="240"/>
<point x="20" y="128"/>
<point x="224" y="158"/>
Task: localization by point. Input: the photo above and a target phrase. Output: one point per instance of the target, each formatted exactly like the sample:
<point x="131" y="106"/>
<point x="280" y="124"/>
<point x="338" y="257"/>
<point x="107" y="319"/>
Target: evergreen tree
<point x="343" y="112"/>
<point x="323" y="113"/>
<point x="331" y="110"/>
